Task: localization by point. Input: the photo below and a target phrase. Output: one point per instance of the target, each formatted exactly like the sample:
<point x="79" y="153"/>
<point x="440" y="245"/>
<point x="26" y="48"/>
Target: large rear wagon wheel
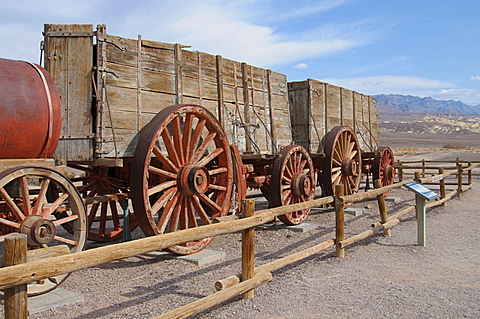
<point x="384" y="167"/>
<point x="343" y="161"/>
<point x="182" y="174"/>
<point x="292" y="182"/>
<point x="27" y="206"/>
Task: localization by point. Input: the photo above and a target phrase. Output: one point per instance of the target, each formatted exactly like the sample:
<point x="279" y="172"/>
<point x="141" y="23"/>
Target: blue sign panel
<point x="421" y="190"/>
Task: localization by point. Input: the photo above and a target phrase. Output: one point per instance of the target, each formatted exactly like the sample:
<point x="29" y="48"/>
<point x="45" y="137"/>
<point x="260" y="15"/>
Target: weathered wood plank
<point x="70" y="60"/>
<point x="317" y="107"/>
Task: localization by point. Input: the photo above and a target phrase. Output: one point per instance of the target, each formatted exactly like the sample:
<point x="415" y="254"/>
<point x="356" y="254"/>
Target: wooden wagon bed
<point x="111" y="87"/>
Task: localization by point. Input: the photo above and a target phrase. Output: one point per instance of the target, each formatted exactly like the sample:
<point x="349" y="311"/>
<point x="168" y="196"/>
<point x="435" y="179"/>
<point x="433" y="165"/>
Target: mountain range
<point x="407" y="103"/>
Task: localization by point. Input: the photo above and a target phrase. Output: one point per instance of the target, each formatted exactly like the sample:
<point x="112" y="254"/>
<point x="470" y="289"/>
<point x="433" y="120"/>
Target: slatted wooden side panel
<point x="374" y="139"/>
<point x="318" y="107"/>
<point x="333" y="106"/>
<point x="69" y="59"/>
<point x="347" y="107"/>
<point x="142" y="77"/>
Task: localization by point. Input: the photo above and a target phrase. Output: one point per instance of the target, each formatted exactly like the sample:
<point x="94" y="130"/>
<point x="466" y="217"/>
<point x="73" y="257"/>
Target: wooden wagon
<point x="182" y="134"/>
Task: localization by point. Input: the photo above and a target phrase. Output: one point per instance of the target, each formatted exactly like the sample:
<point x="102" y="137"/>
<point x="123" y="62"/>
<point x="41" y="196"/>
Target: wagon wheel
<point x="105" y="223"/>
<point x="25" y="208"/>
<point x="383" y="167"/>
<point x="182" y="173"/>
<point x="343" y="161"/>
<point x="293" y="181"/>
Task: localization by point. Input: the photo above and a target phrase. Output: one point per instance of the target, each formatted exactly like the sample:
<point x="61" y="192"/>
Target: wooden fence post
<point x="470" y="174"/>
<point x="15" y="298"/>
<point x="382" y="207"/>
<point x="443" y="190"/>
<point x="339" y="221"/>
<point x="460" y="180"/>
<point x="248" y="247"/>
<point x="400" y="172"/>
<point x="417" y="177"/>
<point x="423" y="167"/>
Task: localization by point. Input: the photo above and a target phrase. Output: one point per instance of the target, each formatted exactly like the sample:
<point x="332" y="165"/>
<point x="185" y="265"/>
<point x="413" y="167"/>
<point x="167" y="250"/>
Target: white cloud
<point x="319" y="6"/>
<point x="389" y="84"/>
<point x="301" y="66"/>
<point x="224" y="28"/>
<point x="476" y="77"/>
<point x="467" y="96"/>
<point x="408" y="85"/>
<point x="232" y="28"/>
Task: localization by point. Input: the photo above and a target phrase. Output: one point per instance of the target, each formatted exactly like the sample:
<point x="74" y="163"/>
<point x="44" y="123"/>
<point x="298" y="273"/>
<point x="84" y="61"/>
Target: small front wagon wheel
<point x="182" y="174"/>
<point x="42" y="204"/>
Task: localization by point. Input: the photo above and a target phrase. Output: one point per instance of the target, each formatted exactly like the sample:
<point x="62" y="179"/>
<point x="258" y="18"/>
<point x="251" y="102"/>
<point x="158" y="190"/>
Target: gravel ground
<point x="381" y="276"/>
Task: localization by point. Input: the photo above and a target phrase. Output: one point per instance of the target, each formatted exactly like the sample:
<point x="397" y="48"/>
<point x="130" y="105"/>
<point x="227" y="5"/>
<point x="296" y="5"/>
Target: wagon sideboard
<point x="317" y="107"/>
<point x="111" y="87"/>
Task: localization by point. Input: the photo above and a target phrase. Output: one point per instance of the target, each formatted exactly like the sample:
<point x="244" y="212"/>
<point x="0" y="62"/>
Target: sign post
<point x="422" y="194"/>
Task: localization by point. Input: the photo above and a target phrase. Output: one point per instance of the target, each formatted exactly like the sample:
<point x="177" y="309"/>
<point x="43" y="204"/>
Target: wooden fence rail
<point x="24" y="273"/>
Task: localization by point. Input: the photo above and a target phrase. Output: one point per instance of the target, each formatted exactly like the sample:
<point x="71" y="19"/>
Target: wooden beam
<point x="216" y="298"/>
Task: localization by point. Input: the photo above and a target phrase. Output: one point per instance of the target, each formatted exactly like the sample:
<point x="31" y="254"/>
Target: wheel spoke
<point x="200" y="211"/>
<point x="177" y="138"/>
<point x="9" y="223"/>
<point x="46" y="212"/>
<point x="197" y="134"/>
<point x="217" y="187"/>
<point x="172" y="153"/>
<point x="92" y="214"/>
<point x="204" y="198"/>
<point x="175" y="219"/>
<point x="218" y="171"/>
<point x="103" y="218"/>
<point x="187" y="135"/>
<point x="115" y="217"/>
<point x="336" y="177"/>
<point x="64" y="220"/>
<point x="162" y="201"/>
<point x="66" y="240"/>
<point x="11" y="204"/>
<point x="161" y="172"/>
<point x="27" y="208"/>
<point x="164" y="160"/>
<point x="41" y="198"/>
<point x="166" y="215"/>
<point x="191" y="212"/>
<point x="207" y="159"/>
<point x="203" y="147"/>
<point x="160" y="187"/>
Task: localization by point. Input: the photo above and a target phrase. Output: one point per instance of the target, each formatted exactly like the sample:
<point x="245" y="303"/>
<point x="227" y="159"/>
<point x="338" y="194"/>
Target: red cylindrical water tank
<point x="30" y="111"/>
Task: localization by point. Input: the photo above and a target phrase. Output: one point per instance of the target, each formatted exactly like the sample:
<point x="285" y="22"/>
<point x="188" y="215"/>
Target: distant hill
<point x="387" y="103"/>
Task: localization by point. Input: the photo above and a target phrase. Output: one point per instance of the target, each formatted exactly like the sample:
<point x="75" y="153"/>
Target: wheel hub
<point x="301" y="185"/>
<point x="39" y="230"/>
<point x="350" y="167"/>
<point x="193" y="180"/>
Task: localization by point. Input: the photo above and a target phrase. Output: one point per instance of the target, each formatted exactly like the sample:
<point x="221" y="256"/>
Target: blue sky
<point x="421" y="48"/>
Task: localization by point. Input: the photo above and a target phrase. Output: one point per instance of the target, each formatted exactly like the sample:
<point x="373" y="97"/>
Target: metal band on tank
<point x="50" y="107"/>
